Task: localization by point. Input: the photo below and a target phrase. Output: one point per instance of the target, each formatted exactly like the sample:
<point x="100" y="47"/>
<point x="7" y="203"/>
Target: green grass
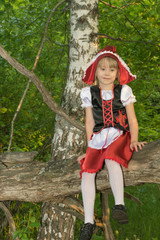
<point x="144" y="219"/>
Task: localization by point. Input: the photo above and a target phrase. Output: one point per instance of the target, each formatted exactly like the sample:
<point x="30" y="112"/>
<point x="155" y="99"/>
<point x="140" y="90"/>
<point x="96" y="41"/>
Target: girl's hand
<point x="136" y="145"/>
<point x="80" y="158"/>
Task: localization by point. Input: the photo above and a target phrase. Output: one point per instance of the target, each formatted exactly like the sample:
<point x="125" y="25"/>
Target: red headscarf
<point x="125" y="75"/>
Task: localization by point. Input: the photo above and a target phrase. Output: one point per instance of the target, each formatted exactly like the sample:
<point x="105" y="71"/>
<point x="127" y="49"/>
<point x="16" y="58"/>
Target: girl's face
<point x="106" y="73"/>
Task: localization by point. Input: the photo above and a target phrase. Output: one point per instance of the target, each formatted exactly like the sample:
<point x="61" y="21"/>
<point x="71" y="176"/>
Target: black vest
<point x="110" y="113"/>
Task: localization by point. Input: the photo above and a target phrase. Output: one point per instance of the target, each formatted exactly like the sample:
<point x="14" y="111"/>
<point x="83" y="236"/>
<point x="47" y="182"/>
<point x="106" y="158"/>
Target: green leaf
<point x="3" y="110"/>
<point x="34" y="224"/>
<point x="15" y="234"/>
<point x="32" y="219"/>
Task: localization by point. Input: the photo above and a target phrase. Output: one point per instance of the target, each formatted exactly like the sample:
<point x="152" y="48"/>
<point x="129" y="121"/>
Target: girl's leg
<point x="116" y="181"/>
<point x="88" y="194"/>
<point x="117" y="186"/>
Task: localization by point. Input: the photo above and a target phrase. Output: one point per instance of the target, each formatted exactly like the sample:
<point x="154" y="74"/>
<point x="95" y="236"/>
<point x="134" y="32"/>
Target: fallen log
<point x="42" y="182"/>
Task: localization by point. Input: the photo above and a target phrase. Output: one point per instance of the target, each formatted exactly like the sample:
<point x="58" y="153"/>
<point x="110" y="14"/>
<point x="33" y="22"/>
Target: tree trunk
<point x="68" y="141"/>
<point x="53" y="226"/>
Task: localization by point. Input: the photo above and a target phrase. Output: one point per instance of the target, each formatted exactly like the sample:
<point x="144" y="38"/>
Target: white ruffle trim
<point x="86" y="97"/>
<point x="129" y="100"/>
<point x="107" y="94"/>
<point x="127" y="96"/>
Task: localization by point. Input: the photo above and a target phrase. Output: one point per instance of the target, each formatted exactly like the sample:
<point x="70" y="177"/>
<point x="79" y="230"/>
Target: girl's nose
<point x="106" y="72"/>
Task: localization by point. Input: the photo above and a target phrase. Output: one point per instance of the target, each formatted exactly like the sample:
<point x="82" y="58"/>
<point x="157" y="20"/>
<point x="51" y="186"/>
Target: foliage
<point x="22" y="28"/>
<point x="27" y="221"/>
<point x="27" y="226"/>
<point x="134" y="30"/>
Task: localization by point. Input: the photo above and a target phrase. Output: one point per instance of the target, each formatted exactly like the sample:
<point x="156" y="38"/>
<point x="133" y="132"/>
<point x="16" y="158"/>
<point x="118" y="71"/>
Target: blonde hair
<point x="112" y="64"/>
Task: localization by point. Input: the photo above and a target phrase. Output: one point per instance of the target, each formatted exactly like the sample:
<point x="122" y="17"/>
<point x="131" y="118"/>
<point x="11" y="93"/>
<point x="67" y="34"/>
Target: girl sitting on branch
<point x="112" y="131"/>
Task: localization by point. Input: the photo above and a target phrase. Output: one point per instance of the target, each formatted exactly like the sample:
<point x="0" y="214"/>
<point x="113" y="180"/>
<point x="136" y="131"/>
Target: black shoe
<point x="86" y="231"/>
<point x="119" y="214"/>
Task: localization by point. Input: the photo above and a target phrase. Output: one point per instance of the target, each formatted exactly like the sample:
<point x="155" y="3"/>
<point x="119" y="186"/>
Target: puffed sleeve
<point x="86" y="97"/>
<point x="127" y="96"/>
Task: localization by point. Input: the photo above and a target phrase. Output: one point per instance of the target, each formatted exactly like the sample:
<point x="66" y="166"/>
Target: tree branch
<point x="47" y="98"/>
<point x="34" y="67"/>
<point x="9" y="218"/>
<point x="45" y="33"/>
<point x="122" y="7"/>
<point x="4" y="222"/>
<point x="41" y="182"/>
<point x="108" y="233"/>
<point x="129" y="196"/>
<point x="120" y="39"/>
<point x="16" y="113"/>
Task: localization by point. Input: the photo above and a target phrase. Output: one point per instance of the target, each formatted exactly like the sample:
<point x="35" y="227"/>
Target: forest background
<point x="131" y="26"/>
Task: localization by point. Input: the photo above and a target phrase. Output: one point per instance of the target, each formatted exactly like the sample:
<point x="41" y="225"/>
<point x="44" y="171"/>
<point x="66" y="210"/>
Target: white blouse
<point x="104" y="138"/>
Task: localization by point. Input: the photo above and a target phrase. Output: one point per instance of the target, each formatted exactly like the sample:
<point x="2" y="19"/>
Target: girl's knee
<point x="88" y="175"/>
<point x="111" y="164"/>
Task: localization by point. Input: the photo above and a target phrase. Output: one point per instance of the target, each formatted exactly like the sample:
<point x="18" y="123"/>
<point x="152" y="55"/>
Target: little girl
<point x="112" y="131"/>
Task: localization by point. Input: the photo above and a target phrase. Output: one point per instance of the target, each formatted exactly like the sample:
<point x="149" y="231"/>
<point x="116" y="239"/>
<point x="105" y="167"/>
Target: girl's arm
<point x="133" y="126"/>
<point x="89" y="124"/>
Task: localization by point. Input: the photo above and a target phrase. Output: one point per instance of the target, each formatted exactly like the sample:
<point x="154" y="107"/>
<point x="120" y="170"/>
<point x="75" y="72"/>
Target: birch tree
<point x="55" y="181"/>
<point x="68" y="141"/>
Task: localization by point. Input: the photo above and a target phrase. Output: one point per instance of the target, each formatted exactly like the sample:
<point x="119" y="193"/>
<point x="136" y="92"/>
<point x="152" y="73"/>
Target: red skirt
<point x="119" y="151"/>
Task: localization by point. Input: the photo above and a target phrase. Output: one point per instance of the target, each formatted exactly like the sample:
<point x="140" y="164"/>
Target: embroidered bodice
<point x="108" y="113"/>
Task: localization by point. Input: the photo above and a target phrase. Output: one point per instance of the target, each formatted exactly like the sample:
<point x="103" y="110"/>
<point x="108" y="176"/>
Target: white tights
<point x="88" y="188"/>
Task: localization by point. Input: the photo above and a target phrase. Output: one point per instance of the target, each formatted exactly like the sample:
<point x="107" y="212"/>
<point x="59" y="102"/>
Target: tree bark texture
<point x="9" y="219"/>
<point x="69" y="141"/>
<point x="108" y="234"/>
<point x="56" y="217"/>
<point x="38" y="182"/>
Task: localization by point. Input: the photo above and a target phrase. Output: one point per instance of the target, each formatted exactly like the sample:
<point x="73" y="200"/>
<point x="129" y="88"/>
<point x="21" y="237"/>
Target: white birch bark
<point x="68" y="141"/>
